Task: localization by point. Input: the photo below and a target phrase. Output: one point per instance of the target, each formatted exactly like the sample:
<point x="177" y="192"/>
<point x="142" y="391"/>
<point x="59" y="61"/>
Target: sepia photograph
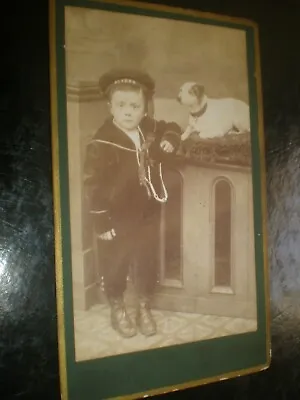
<point x="161" y="195"/>
<point x="159" y="142"/>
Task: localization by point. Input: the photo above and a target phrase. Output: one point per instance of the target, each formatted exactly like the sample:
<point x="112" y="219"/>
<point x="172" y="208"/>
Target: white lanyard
<point x="147" y="181"/>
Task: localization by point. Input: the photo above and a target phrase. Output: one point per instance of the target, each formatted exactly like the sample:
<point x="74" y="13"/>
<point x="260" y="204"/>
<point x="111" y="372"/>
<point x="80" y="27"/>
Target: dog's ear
<point x="198" y="91"/>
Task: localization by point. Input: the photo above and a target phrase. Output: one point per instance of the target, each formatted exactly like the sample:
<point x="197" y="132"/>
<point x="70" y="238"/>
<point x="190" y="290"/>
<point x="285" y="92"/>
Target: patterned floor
<point x="95" y="338"/>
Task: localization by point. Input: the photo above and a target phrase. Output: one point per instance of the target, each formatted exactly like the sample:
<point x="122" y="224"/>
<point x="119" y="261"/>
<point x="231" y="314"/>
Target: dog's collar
<point x="199" y="113"/>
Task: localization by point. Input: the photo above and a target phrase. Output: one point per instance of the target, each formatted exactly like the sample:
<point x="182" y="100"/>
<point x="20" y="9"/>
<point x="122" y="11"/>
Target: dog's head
<point x="191" y="94"/>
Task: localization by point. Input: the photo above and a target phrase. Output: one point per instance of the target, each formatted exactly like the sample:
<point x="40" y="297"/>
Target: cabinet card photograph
<point x="159" y="196"/>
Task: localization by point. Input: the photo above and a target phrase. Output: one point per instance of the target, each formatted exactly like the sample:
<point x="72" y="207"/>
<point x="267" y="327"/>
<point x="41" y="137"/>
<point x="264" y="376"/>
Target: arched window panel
<point x="222" y="235"/>
<point x="171" y="230"/>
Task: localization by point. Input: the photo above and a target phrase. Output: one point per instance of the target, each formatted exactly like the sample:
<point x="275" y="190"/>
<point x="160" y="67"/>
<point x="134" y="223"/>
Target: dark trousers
<point x="136" y="243"/>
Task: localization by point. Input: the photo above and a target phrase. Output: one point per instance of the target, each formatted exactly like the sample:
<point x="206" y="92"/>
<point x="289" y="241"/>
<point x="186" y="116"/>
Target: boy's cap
<point x="136" y="78"/>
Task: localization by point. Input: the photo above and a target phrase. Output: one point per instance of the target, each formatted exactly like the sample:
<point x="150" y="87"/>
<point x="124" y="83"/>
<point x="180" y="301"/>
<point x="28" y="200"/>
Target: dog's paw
<point x="184" y="137"/>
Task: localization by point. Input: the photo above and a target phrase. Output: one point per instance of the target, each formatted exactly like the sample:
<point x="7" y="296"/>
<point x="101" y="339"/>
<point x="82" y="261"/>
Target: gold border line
<point x="179" y="11"/>
<point x="263" y="179"/>
<point x="57" y="209"/>
<point x="191" y="384"/>
<point x="58" y="241"/>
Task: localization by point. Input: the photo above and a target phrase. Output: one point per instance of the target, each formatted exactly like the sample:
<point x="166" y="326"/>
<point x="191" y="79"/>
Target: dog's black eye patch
<point x="198" y="91"/>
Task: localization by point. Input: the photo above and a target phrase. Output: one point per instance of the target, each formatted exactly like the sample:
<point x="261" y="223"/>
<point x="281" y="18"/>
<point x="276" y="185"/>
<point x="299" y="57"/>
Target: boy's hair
<point x="128" y="80"/>
<point x="128" y="87"/>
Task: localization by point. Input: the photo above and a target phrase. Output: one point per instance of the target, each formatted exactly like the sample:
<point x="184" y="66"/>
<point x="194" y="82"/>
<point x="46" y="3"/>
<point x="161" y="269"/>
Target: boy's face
<point x="127" y="108"/>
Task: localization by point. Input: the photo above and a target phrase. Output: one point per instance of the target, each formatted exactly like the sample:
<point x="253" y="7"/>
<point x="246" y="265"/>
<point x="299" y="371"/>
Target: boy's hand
<point x="167" y="146"/>
<point x="108" y="235"/>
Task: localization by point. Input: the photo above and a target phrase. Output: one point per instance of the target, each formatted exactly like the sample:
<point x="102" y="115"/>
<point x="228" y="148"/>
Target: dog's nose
<point x="178" y="98"/>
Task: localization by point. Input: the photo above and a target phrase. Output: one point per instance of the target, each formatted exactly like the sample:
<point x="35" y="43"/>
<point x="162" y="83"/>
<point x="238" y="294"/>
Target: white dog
<point x="211" y="118"/>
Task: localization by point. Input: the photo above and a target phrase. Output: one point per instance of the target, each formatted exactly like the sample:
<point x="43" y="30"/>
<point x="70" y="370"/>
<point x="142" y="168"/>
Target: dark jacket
<point x="112" y="185"/>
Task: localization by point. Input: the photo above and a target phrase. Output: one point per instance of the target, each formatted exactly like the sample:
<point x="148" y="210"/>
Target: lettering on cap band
<point x="125" y="80"/>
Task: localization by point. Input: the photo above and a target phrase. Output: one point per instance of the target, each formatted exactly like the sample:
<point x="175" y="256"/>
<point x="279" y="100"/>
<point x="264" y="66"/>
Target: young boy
<point x="125" y="189"/>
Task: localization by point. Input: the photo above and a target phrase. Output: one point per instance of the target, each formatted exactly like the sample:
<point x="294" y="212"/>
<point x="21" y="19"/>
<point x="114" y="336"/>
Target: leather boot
<point x="120" y="320"/>
<point x="144" y="317"/>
